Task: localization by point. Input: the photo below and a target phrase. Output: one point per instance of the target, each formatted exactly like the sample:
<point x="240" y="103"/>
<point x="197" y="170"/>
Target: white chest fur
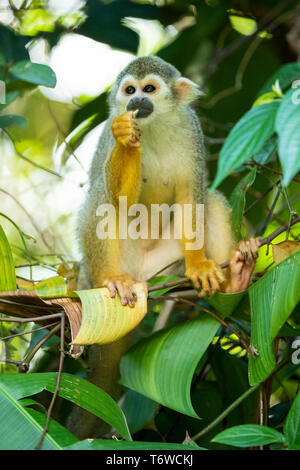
<point x="167" y="152"/>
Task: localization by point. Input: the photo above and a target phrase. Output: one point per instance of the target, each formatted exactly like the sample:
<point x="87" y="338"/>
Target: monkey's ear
<point x="185" y="90"/>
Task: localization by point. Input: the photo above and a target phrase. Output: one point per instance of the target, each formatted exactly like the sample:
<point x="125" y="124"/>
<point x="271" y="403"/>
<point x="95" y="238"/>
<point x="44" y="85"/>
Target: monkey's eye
<point x="130" y="90"/>
<point x="149" y="89"/>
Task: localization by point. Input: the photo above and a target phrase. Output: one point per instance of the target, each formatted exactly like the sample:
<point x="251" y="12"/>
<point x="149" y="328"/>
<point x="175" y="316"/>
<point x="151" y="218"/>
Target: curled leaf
<point x="284" y="249"/>
<point x="105" y="319"/>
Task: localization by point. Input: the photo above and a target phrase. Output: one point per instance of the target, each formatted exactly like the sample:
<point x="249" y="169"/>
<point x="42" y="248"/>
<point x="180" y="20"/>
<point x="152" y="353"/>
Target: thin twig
<point x="260" y="197"/>
<point x="265" y="167"/>
<point x="34" y="319"/>
<point x="38" y="346"/>
<point x="6" y="338"/>
<point x="59" y="373"/>
<point x="33" y="163"/>
<point x="270" y="213"/>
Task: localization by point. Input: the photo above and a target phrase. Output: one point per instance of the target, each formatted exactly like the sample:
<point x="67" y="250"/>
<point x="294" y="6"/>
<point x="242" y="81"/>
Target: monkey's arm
<point x="119" y="175"/>
<point x="123" y="168"/>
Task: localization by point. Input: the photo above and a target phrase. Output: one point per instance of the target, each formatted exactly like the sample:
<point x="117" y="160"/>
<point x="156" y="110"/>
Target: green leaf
<point x="272" y="300"/>
<point x="39" y="74"/>
<point x="246" y="138"/>
<point x="161" y="280"/>
<point x="287" y="127"/>
<point x="61" y="435"/>
<point x="238" y="201"/>
<point x="105" y="444"/>
<point x="285" y="75"/>
<point x="225" y="304"/>
<point x="20" y="431"/>
<point x="8" y="120"/>
<point x="54" y="286"/>
<point x="29" y="402"/>
<point x="267" y="151"/>
<point x="7" y="268"/>
<point x="72" y="388"/>
<point x="248" y="435"/>
<point x="292" y="424"/>
<point x="97" y="107"/>
<point x="138" y="409"/>
<point x="13" y="45"/>
<point x="161" y="367"/>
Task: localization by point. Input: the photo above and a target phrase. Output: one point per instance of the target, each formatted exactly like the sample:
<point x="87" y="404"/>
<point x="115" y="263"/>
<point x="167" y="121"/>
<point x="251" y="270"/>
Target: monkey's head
<point x="153" y="87"/>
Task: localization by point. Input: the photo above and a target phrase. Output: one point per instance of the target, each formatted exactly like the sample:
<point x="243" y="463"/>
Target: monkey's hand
<point x="206" y="275"/>
<point x="125" y="130"/>
<point x="242" y="264"/>
<point x="124" y="285"/>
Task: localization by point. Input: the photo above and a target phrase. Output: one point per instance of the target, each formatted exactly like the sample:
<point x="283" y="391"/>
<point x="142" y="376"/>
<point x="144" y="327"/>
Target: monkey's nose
<point x="143" y="104"/>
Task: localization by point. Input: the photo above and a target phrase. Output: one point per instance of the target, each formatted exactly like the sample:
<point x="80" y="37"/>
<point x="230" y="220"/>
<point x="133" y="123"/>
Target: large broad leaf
<point x="139" y="410"/>
<point x="60" y="434"/>
<point x="285" y="75"/>
<point x="267" y="151"/>
<point x="225" y="304"/>
<point x="287" y="126"/>
<point x="246" y="138"/>
<point x="38" y="74"/>
<point x="19" y="430"/>
<point x="292" y="424"/>
<point x="7" y="268"/>
<point x="248" y="435"/>
<point x="104" y="444"/>
<point x="72" y="388"/>
<point x="238" y="201"/>
<point x="162" y="366"/>
<point x="272" y="300"/>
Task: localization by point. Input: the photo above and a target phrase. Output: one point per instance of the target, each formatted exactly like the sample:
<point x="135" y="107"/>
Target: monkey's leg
<point x="206" y="274"/>
<point x="241" y="265"/>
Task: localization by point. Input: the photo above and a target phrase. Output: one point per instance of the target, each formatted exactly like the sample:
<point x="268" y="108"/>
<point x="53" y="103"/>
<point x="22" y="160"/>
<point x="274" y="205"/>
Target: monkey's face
<point x="150" y="96"/>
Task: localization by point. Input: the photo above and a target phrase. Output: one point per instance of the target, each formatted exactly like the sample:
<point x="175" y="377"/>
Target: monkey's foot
<point x="124" y="285"/>
<point x="125" y="130"/>
<point x="241" y="265"/>
<point x="207" y="276"/>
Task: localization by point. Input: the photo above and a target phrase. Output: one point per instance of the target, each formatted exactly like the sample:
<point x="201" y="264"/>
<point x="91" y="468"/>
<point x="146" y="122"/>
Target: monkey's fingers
<point x="212" y="281"/>
<point x="136" y="135"/>
<point x="249" y="250"/>
<point x="112" y="289"/>
<point x="125" y="130"/>
<point x="126" y="293"/>
<point x="237" y="262"/>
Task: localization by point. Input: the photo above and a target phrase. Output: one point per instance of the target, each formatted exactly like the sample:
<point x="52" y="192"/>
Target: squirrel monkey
<point x="151" y="151"/>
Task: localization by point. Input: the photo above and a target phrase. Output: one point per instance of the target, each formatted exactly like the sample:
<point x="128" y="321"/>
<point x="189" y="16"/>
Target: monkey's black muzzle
<point x="144" y="106"/>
